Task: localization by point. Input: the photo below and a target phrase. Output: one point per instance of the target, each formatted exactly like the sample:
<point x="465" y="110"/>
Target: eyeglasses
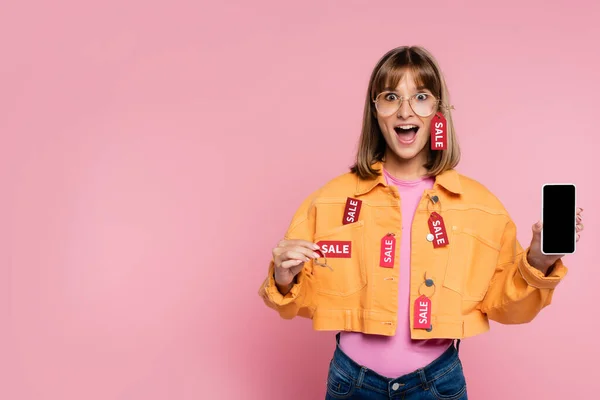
<point x="423" y="104"/>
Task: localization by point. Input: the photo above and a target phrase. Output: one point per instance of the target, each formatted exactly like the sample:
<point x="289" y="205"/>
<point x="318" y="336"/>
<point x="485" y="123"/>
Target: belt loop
<point x="457" y="344"/>
<point x="361" y="377"/>
<point x="423" y="377"/>
<point x="337" y="338"/>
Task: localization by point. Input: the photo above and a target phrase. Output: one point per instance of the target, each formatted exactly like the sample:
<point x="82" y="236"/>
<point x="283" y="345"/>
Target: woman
<point x="403" y="255"/>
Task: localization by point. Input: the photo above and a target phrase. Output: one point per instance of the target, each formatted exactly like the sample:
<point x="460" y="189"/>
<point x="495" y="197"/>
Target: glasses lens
<point x="387" y="103"/>
<point x="423" y="104"/>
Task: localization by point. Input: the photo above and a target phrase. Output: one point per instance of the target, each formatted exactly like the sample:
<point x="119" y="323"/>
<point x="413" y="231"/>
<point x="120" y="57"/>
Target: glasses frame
<point x="402" y="98"/>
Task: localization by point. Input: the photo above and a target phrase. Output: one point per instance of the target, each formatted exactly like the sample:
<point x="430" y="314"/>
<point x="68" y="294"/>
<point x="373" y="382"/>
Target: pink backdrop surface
<point x="152" y="153"/>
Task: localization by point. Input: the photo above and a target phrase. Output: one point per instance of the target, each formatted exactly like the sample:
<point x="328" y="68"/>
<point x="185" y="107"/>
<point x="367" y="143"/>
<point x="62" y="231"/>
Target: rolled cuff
<point x="271" y="294"/>
<point x="536" y="278"/>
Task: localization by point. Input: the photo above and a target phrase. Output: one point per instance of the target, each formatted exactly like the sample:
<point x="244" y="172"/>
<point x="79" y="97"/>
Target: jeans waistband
<point x="421" y="377"/>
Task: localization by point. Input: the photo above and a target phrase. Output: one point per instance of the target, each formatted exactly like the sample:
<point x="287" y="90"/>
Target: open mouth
<point x="406" y="133"/>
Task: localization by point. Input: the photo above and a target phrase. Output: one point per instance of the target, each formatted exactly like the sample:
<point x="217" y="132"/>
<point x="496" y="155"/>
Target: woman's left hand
<point x="535" y="257"/>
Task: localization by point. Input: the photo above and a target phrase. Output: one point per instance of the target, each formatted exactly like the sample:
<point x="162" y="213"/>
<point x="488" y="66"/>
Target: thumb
<point x="537" y="233"/>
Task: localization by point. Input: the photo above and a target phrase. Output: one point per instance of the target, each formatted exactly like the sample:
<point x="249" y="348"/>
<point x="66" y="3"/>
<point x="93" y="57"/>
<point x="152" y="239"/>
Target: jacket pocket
<point x="472" y="260"/>
<point x="344" y="249"/>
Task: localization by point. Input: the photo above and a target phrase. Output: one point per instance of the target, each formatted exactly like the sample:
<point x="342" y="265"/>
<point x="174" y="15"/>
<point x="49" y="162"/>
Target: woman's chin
<point x="406" y="154"/>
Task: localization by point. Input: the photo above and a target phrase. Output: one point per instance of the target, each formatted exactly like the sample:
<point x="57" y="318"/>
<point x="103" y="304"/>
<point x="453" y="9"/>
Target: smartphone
<point x="558" y="218"/>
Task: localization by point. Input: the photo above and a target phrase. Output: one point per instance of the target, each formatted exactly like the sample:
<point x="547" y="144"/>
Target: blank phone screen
<point x="558" y="217"/>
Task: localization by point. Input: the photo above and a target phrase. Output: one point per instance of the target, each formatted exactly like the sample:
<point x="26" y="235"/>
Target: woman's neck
<point x="407" y="170"/>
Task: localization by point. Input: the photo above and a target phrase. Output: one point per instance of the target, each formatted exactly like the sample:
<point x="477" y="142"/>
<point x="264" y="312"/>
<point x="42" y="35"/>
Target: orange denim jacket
<point x="481" y="274"/>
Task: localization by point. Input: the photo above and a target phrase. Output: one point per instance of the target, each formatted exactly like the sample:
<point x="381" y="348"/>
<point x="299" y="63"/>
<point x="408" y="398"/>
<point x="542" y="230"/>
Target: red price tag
<point x="388" y="248"/>
<point x="336" y="248"/>
<point x="351" y="211"/>
<point x="439" y="132"/>
<point x="438" y="230"/>
<point x="422" y="315"/>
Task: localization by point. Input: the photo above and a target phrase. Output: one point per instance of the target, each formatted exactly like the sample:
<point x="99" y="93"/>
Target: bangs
<point x="394" y="69"/>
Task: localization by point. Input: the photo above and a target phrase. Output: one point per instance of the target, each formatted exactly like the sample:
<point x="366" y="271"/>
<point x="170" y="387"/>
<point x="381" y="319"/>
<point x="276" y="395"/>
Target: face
<point x="405" y="132"/>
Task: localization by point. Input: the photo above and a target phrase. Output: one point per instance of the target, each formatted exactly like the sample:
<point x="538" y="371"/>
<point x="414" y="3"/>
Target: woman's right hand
<point x="289" y="257"/>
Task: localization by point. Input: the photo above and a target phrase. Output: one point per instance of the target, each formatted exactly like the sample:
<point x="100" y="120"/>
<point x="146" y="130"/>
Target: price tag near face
<point x="439" y="132"/>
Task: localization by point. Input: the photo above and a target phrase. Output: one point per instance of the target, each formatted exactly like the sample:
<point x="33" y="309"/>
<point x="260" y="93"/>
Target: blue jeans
<point x="443" y="379"/>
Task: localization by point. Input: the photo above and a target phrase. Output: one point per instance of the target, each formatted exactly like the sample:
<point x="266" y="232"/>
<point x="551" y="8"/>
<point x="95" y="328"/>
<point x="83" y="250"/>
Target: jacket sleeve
<point x="518" y="291"/>
<point x="299" y="300"/>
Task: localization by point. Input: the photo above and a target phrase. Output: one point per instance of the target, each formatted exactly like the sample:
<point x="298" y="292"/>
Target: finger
<point x="578" y="236"/>
<point x="294" y="255"/>
<point x="578" y="218"/>
<point x="579" y="210"/>
<point x="290" y="263"/>
<point x="303" y="250"/>
<point x="286" y="245"/>
<point x="537" y="227"/>
<point x="299" y="242"/>
<point x="579" y="227"/>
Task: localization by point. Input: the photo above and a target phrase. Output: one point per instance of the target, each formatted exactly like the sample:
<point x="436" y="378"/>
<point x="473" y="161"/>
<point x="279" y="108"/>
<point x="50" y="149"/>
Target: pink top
<point x="398" y="355"/>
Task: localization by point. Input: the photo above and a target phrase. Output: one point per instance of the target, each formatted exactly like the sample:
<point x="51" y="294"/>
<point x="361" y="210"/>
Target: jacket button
<point x="434" y="199"/>
<point x="429" y="282"/>
<point x="395" y="386"/>
<point x="430" y="237"/>
<point x="430" y="328"/>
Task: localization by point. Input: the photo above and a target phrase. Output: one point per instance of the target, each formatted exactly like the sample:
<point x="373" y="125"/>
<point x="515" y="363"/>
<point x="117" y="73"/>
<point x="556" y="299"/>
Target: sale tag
<point x="352" y="210"/>
<point x="438" y="230"/>
<point x="336" y="248"/>
<point x="387" y="254"/>
<point x="422" y="312"/>
<point x="439" y="132"/>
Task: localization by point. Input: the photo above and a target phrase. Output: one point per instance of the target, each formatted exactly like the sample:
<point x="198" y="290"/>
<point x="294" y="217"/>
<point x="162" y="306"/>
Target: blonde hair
<point x="387" y="74"/>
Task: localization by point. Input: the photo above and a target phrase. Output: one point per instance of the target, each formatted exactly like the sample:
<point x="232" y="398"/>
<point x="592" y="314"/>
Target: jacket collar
<point x="449" y="180"/>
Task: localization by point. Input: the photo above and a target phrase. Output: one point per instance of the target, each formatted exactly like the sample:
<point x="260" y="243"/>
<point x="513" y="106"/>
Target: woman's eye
<point x="422" y="96"/>
<point x="391" y="97"/>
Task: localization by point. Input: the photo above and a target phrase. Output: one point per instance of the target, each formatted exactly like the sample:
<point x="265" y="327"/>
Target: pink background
<point x="152" y="154"/>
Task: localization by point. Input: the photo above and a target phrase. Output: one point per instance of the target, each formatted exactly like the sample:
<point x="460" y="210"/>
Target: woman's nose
<point x="405" y="110"/>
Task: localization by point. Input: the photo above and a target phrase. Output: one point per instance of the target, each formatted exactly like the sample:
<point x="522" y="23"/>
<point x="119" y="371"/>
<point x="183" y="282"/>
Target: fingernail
<point x="316" y="247"/>
<point x="306" y="259"/>
<point x="316" y="255"/>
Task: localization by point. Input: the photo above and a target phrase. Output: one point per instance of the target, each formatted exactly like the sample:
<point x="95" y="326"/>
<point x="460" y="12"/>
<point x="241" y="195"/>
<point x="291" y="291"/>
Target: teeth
<point x="406" y="126"/>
